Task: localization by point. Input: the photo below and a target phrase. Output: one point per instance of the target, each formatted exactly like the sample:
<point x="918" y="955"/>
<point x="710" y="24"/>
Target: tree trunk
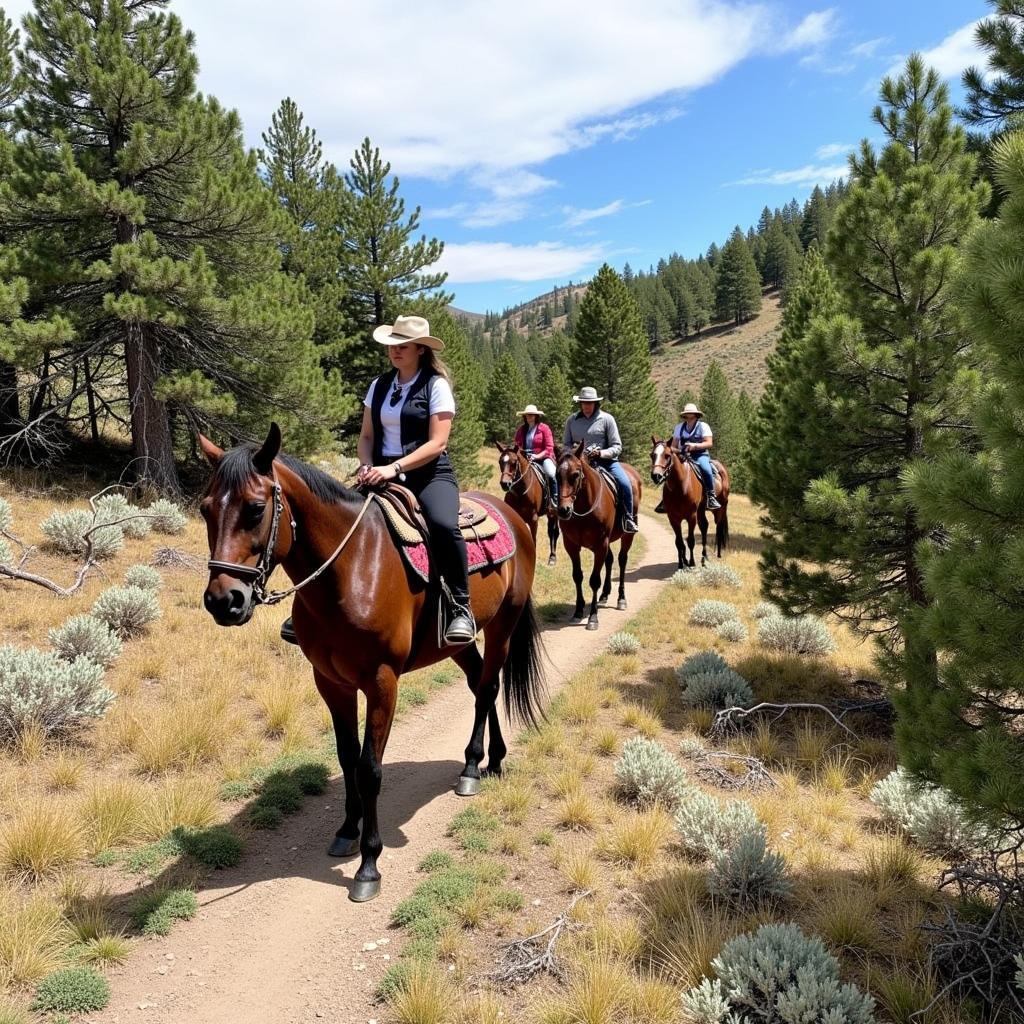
<point x="90" y="395"/>
<point x="10" y="409"/>
<point x="151" y="431"/>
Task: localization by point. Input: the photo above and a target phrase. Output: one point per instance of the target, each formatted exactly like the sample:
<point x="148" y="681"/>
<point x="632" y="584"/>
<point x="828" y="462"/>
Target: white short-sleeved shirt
<point x="701" y="432"/>
<point x="441" y="400"/>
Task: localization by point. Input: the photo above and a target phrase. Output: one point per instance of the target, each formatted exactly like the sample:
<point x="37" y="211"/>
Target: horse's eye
<point x="254" y="511"/>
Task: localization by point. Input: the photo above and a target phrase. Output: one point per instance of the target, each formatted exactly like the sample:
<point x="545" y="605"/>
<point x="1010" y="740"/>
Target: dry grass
<point x="41" y="839"/>
<point x="111" y="813"/>
<point x="636" y="841"/>
<point x="33" y="935"/>
<point x="188" y="801"/>
<point x="428" y="997"/>
<point x="578" y="811"/>
<point x="580" y="870"/>
<point x="635" y="716"/>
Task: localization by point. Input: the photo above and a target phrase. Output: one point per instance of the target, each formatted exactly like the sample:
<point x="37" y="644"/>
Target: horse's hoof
<point x="363" y="892"/>
<point x="467" y="786"/>
<point x="342" y="847"/>
<point x="551" y="560"/>
<point x="603" y="599"/>
<point x="621" y="604"/>
<point x="577" y="618"/>
<point x="592" y="623"/>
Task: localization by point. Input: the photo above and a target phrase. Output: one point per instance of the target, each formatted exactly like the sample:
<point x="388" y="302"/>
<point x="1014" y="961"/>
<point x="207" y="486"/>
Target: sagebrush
<point x="647" y="773"/>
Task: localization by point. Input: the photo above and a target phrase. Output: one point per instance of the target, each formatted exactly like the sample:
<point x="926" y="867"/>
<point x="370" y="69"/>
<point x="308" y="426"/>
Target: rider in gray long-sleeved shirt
<point x="600" y="432"/>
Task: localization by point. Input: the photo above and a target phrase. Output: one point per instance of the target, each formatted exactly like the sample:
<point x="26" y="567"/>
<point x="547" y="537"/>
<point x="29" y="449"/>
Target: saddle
<point x="610" y="481"/>
<point x="402" y="510"/>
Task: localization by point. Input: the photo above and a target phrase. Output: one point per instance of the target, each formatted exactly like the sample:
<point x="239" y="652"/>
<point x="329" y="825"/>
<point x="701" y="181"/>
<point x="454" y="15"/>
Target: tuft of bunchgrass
<point x="606" y="742"/>
<point x="187" y="801"/>
<point x="106" y="950"/>
<point x="40" y="839"/>
<point x="425" y="996"/>
<point x="111" y="812"/>
<point x="33" y="937"/>
<point x="636" y="841"/>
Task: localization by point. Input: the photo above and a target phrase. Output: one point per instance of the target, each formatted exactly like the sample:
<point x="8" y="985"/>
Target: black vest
<point x="415" y="417"/>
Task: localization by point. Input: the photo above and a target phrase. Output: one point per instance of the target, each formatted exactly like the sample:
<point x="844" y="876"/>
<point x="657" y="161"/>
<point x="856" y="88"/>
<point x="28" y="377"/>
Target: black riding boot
<point x="454" y="568"/>
<point x="288" y="632"/>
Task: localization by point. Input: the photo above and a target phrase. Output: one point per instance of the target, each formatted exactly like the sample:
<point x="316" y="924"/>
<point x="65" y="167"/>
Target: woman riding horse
<point x="534" y="437"/>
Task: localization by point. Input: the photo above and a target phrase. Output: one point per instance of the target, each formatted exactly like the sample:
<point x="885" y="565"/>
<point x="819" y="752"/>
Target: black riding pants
<point x="438" y="492"/>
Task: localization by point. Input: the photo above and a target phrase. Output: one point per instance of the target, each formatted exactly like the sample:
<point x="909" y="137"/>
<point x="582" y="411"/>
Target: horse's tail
<point x="523" y="672"/>
<point x="722" y="529"/>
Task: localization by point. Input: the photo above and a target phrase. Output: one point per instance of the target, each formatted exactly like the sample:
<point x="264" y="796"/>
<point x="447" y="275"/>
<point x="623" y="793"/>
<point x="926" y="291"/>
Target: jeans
<point x="706" y="472"/>
<point x="548" y="465"/>
<point x="438" y="493"/>
<point x="625" y="485"/>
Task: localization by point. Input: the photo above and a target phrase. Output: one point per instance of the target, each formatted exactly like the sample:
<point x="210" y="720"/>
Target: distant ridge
<point x="472" y="317"/>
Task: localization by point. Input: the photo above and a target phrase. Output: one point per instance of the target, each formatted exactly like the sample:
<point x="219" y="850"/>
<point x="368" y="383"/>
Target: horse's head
<point x="510" y="464"/>
<point x="570" y="472"/>
<point x="661" y="459"/>
<point x="243" y="509"/>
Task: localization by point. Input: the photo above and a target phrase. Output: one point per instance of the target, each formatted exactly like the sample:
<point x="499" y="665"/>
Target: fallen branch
<point x="724" y="719"/>
<point x="526" y="957"/>
<point x="880" y="706"/>
<point x="175" y="558"/>
<point x="756" y="775"/>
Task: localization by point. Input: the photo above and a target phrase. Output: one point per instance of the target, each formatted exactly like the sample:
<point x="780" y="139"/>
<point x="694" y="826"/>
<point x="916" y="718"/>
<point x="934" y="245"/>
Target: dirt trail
<point x="276" y="940"/>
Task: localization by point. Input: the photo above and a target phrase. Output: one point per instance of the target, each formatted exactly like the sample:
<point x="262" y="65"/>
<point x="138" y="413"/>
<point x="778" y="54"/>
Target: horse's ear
<point x="654" y="441"/>
<point x="211" y="451"/>
<point x="500" y="447"/>
<point x="263" y="460"/>
<point x="580" y="448"/>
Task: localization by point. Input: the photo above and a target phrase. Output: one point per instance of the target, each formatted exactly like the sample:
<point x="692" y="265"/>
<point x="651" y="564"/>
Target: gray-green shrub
<point x="928" y="814"/>
<point x="623" y="643"/>
<point x="685" y="579"/>
<point x="38" y="686"/>
<point x="145" y="577"/>
<point x="6" y="555"/>
<point x="748" y="875"/>
<point x="712" y="613"/>
<point x="764" y="609"/>
<point x="647" y="773"/>
<point x="72" y="990"/>
<point x="707" y="681"/>
<point x="126" y="610"/>
<point x="65" y="533"/>
<point x="6" y="514"/>
<point x="777" y="975"/>
<point x="804" y="634"/>
<point x="117" y="508"/>
<point x="84" y="636"/>
<point x="732" y="632"/>
<point x="167" y="517"/>
<point x="714" y="576"/>
<point x="706" y="827"/>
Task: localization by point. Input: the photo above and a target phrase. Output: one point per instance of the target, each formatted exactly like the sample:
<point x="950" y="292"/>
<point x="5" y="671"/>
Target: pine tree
<point x="143" y="221"/>
<point x="308" y="190"/>
<point x="854" y="398"/>
<point x="995" y="96"/>
<point x="385" y="269"/>
<point x="611" y="354"/>
<point x="960" y="729"/>
<point x="467" y="435"/>
<point x="506" y="395"/>
<point x="738" y="283"/>
<point x="554" y="397"/>
<point x="718" y="403"/>
<point x="777" y="255"/>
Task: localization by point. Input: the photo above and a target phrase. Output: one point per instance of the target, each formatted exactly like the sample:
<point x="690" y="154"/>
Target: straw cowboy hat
<point x="587" y="395"/>
<point x="407" y="329"/>
<point x="530" y="410"/>
<point x="690" y="410"/>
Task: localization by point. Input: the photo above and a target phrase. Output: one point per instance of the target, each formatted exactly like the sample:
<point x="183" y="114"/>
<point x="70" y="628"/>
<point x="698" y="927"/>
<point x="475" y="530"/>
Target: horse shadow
<point x="298" y="848"/>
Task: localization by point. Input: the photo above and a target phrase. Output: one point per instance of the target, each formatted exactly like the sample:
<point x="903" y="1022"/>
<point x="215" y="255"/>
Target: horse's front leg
<point x="677" y="528"/>
<point x="552" y="538"/>
<point x="381" y="695"/>
<point x="624" y="546"/>
<point x="702" y="519"/>
<point x="577" y="577"/>
<point x="345" y="716"/>
<point x="607" y="588"/>
<point x="600" y="555"/>
<point x="691" y="539"/>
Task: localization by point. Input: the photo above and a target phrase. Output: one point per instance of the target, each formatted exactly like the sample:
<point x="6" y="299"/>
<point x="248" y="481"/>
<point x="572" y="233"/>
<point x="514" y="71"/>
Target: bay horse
<point x="527" y="493"/>
<point x="684" y="500"/>
<point x="360" y="622"/>
<point x="589" y="519"/>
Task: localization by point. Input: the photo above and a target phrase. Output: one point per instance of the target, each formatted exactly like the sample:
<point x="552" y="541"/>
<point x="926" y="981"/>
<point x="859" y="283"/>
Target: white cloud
<point x="816" y="28"/>
<point x="445" y="87"/>
<point x="832" y="149"/>
<point x="806" y="176"/>
<point x="576" y="217"/>
<point x="957" y="52"/>
<point x="869" y="47"/>
<point x="471" y="262"/>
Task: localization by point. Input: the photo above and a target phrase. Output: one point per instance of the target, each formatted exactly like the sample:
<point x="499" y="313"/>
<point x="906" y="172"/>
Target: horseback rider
<point x="407" y="419"/>
<point x="603" y="446"/>
<point x="693" y="437"/>
<point x="534" y="437"/>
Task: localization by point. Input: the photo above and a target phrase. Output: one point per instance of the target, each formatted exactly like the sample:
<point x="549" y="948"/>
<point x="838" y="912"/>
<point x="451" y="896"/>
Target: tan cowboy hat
<point x="406" y="329"/>
<point x="530" y="410"/>
<point x="690" y="410"/>
<point x="587" y="395"/>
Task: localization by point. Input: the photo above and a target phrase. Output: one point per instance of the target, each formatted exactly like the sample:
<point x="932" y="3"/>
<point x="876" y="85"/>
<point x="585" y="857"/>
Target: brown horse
<point x="527" y="493"/>
<point x="589" y="519"/>
<point x="360" y="621"/>
<point x="684" y="499"/>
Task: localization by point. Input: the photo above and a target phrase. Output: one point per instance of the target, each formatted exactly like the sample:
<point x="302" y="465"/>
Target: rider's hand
<point x="377" y="475"/>
<point x="689" y="448"/>
<point x="593" y="451"/>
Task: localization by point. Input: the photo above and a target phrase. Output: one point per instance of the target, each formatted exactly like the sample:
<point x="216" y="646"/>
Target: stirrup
<point x="629" y="523"/>
<point x="288" y="632"/>
<point x="462" y="628"/>
<point x="713" y="502"/>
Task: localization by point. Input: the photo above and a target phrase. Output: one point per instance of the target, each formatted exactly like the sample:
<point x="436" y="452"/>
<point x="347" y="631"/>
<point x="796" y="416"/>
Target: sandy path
<point x="276" y="940"/>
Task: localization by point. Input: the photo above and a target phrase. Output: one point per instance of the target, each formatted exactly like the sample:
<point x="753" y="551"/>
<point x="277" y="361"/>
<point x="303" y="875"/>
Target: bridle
<point x="576" y="493"/>
<point x="259" y="574"/>
<point x="521" y="474"/>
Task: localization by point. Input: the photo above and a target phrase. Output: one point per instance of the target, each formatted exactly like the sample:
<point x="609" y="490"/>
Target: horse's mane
<point x="236" y="468"/>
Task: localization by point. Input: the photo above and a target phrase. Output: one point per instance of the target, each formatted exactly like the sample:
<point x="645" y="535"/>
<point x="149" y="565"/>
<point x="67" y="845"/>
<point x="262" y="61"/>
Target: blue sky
<point x="543" y="139"/>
